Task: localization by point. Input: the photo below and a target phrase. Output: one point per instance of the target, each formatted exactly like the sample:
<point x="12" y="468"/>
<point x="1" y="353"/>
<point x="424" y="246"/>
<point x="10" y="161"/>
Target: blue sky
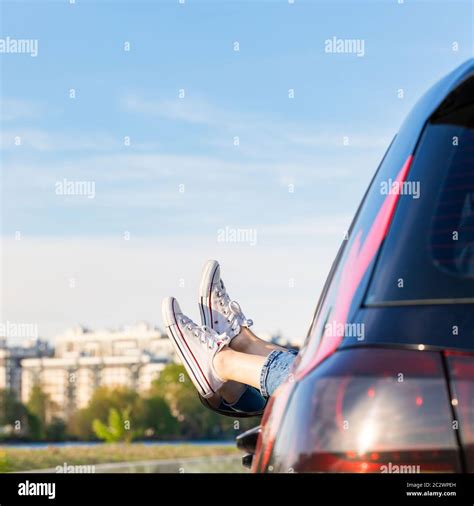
<point x="190" y="141"/>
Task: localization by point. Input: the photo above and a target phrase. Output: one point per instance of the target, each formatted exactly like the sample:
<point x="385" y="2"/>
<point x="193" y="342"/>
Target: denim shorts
<point x="275" y="370"/>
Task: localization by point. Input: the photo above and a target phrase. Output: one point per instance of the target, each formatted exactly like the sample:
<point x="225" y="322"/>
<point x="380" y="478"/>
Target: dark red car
<point x="385" y="379"/>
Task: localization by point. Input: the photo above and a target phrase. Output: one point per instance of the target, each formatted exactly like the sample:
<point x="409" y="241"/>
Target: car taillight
<point x="369" y="410"/>
<point x="271" y="420"/>
<point x="461" y="371"/>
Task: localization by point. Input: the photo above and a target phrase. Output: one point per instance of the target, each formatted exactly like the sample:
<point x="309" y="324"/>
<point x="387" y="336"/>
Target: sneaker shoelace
<point x="206" y="335"/>
<point x="231" y="309"/>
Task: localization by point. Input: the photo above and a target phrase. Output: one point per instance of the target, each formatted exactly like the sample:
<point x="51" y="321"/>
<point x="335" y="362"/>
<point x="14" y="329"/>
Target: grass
<point x="22" y="459"/>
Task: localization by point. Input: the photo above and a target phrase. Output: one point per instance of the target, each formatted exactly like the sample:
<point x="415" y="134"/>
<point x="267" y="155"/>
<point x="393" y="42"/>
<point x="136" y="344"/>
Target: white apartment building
<point x="84" y="360"/>
<point x="10" y="361"/>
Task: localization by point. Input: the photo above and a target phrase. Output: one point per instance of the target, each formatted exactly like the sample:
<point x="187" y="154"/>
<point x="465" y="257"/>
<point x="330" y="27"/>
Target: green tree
<point x="13" y="413"/>
<point x="38" y="403"/>
<point x="35" y="427"/>
<point x="103" y="400"/>
<point x="117" y="428"/>
<point x="56" y="430"/>
<point x="170" y="409"/>
<point x="41" y="410"/>
<point x="195" y="420"/>
<point x="156" y="419"/>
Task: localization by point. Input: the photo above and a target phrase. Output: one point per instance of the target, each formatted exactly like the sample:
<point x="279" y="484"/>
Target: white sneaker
<point x="218" y="311"/>
<point x="195" y="345"/>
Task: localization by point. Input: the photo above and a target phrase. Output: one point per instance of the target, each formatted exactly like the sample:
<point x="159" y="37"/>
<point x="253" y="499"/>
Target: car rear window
<point x="428" y="255"/>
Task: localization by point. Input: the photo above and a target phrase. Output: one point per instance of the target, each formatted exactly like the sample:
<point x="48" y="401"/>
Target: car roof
<point x="437" y="94"/>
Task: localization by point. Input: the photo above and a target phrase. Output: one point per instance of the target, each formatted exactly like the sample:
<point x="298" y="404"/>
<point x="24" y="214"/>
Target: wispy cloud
<point x="136" y="172"/>
<point x="129" y="279"/>
<point x="259" y="136"/>
<point x="17" y="109"/>
<point x="330" y="226"/>
<point x="57" y="141"/>
<point x="186" y="110"/>
<point x="47" y="140"/>
<point x="340" y="138"/>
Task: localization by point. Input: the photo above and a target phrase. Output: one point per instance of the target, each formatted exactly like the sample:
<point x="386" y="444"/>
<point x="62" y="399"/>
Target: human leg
<point x="263" y="372"/>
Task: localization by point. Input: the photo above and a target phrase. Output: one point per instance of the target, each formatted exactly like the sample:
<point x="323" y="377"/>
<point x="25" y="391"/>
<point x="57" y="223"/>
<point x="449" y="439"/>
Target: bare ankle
<point x="247" y="342"/>
<point x="242" y="341"/>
